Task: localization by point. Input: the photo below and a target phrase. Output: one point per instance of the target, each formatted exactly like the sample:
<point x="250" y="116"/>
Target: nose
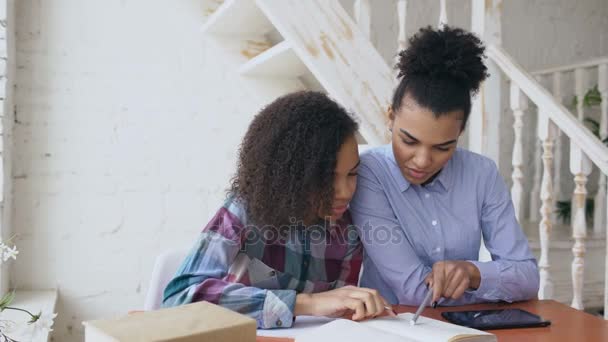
<point x="342" y="190"/>
<point x="422" y="159"/>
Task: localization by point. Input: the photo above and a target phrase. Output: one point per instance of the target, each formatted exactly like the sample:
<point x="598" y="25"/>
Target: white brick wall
<point x="7" y="76"/>
<point x="126" y="135"/>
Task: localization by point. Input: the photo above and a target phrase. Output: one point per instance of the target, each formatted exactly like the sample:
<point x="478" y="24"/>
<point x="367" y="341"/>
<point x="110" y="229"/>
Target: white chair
<point x="164" y="269"/>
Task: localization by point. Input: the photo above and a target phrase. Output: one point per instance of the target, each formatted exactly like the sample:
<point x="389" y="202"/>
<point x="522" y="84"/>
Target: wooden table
<point x="567" y="324"/>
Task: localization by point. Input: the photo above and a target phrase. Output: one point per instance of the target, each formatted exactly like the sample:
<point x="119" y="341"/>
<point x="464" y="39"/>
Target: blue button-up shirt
<point x="406" y="228"/>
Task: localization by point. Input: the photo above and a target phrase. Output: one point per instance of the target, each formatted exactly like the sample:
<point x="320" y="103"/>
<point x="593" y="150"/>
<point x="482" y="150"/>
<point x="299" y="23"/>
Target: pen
<point x="390" y="309"/>
<point x="425" y="302"/>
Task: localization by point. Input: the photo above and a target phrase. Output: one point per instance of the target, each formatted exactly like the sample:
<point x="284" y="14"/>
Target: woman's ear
<point x="391" y="117"/>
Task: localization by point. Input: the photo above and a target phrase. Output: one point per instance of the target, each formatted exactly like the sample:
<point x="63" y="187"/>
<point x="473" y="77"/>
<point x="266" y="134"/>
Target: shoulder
<point x="376" y="160"/>
<point x="375" y="156"/>
<point x="230" y="220"/>
<point x="474" y="163"/>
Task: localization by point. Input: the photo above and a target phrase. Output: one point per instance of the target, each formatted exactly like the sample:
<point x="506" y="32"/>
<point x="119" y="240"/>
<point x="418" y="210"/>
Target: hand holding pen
<point x="451" y="278"/>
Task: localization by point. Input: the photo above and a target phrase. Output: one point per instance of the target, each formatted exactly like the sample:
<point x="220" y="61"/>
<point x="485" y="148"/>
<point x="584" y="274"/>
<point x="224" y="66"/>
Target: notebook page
<point x="342" y="330"/>
<point x="427" y="329"/>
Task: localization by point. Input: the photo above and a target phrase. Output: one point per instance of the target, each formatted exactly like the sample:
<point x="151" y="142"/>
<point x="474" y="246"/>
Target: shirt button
<point x="437" y="250"/>
<point x="434" y="223"/>
<point x="427" y="195"/>
<point x="279" y="323"/>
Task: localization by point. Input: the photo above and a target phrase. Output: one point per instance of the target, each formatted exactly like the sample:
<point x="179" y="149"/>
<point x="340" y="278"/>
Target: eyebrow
<point x="415" y="139"/>
<point x="357" y="165"/>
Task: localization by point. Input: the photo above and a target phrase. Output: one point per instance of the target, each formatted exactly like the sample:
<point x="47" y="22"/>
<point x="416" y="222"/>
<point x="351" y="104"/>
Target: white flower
<point x="9" y="253"/>
<point x="6" y="252"/>
<point x="42" y="325"/>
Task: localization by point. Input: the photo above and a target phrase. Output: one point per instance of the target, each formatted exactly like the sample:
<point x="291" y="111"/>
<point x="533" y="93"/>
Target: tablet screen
<point x="495" y="319"/>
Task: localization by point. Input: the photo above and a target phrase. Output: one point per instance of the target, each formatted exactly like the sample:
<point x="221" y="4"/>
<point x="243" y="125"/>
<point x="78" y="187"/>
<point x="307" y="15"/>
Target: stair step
<point x="278" y="61"/>
<point x="237" y="18"/>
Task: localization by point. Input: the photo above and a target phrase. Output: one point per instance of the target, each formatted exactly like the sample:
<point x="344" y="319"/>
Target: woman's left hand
<point x="450" y="278"/>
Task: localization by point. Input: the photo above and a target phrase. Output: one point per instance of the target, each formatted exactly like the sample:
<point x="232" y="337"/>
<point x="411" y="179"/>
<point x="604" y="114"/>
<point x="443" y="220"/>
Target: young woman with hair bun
<point x="423" y="205"/>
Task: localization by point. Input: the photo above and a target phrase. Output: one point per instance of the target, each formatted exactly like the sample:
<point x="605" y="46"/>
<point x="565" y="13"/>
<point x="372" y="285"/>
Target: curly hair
<point x="287" y="159"/>
<point x="441" y="69"/>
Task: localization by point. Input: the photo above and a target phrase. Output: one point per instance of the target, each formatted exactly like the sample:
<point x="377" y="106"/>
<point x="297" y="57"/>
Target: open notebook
<point x="391" y="329"/>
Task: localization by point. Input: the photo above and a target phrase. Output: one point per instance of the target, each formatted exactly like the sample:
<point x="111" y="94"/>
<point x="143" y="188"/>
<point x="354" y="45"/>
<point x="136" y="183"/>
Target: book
<point x="196" y="322"/>
<point x="395" y="329"/>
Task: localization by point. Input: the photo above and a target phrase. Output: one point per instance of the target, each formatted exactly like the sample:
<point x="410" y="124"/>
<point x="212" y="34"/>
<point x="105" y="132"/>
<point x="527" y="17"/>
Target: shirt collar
<point x="444" y="178"/>
<point x="395" y="170"/>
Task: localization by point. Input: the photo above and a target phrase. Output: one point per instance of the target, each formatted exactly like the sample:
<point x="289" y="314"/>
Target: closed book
<point x="196" y="322"/>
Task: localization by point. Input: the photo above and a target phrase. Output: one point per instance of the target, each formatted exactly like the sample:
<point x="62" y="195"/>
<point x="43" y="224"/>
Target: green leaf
<point x="35" y="318"/>
<point x="594" y="126"/>
<point x="562" y="208"/>
<point x="592" y="97"/>
<point x="6" y="300"/>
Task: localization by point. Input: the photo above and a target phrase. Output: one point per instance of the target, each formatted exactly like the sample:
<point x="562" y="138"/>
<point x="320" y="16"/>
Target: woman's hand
<point x="362" y="302"/>
<point x="449" y="279"/>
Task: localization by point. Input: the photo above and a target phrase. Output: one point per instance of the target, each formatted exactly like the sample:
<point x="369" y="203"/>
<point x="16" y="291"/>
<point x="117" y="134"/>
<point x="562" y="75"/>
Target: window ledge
<point x="34" y="301"/>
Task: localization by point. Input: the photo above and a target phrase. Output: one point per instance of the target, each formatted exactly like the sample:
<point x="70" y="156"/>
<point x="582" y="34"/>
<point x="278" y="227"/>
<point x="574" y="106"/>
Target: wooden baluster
<point x="402" y="38"/>
<point x="362" y="12"/>
<point x="606" y="274"/>
<point x="535" y="192"/>
<point x="580" y="167"/>
<point x="534" y="203"/>
<point x="519" y="104"/>
<point x="546" y="134"/>
<point x="603" y="88"/>
<point x="557" y="171"/>
<point x="599" y="217"/>
<point x="580" y="82"/>
<point x="443" y="13"/>
<point x="402" y="15"/>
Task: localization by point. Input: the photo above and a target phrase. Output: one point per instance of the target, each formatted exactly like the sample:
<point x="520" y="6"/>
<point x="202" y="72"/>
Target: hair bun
<point x="444" y="54"/>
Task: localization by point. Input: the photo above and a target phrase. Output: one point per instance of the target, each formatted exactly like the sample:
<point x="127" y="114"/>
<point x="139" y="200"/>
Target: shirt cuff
<point x="489" y="280"/>
<point x="278" y="309"/>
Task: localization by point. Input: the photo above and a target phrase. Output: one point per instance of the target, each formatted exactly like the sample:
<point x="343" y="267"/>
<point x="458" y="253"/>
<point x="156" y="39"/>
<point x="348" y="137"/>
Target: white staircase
<point x="314" y="37"/>
<point x="279" y="46"/>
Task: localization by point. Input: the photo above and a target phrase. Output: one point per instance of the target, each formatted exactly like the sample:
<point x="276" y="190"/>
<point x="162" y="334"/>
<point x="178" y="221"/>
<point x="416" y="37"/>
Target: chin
<point x="416" y="181"/>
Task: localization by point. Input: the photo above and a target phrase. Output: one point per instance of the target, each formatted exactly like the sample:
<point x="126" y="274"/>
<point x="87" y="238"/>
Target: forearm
<point x="507" y="280"/>
<point x="270" y="308"/>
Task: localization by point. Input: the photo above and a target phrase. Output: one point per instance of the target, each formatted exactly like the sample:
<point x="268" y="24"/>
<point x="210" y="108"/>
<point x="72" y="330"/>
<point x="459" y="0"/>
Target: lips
<point x="417" y="174"/>
<point x="339" y="210"/>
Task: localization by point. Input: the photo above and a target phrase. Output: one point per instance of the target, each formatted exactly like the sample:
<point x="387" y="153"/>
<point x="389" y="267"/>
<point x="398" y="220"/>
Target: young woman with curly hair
<point x="422" y="205"/>
<point x="282" y="244"/>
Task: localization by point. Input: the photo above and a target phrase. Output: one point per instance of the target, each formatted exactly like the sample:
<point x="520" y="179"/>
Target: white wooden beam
<point x="363" y="16"/>
<point x="340" y="57"/>
<point x="443" y="14"/>
<point x="237" y="18"/>
<point x="278" y="61"/>
<point x="484" y="129"/>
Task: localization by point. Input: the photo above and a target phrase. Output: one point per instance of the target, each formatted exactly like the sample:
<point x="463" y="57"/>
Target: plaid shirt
<point x="259" y="272"/>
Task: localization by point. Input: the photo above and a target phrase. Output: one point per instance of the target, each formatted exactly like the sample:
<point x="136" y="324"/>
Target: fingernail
<point x="434" y="305"/>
